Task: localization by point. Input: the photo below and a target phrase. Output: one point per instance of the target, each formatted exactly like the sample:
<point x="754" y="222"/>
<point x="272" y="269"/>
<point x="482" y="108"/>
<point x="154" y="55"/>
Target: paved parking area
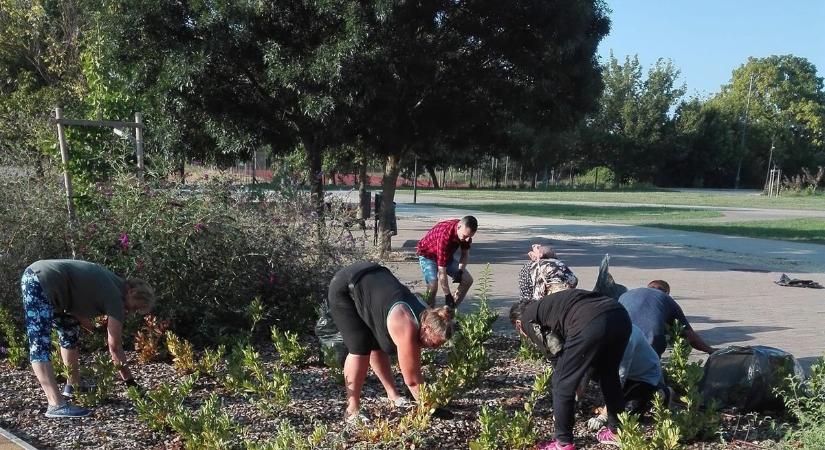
<point x="725" y="285"/>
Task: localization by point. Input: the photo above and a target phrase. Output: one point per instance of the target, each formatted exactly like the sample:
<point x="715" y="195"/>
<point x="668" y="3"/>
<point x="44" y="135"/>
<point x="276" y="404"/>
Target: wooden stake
<point x="139" y="144"/>
<point x="64" y="156"/>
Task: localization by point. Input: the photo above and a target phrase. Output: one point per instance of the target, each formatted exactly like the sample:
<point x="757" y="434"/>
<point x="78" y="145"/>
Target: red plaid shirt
<point x="441" y="242"/>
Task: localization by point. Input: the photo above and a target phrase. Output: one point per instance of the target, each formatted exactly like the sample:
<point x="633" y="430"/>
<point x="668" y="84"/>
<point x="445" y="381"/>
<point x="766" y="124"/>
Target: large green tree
<point x="779" y="100"/>
<point x="438" y="76"/>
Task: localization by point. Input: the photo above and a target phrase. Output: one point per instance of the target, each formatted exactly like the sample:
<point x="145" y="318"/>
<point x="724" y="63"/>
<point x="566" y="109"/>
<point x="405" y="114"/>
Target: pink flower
<point x="198" y="227"/>
<point x="139" y="265"/>
<point x="124" y="241"/>
<point x="272" y="279"/>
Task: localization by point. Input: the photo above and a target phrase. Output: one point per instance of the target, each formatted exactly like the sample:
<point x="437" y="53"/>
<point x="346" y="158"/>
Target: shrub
<point x="147" y="339"/>
<point x="156" y="406"/>
<point x="528" y="352"/>
<point x="666" y="433"/>
<point x="291" y="352"/>
<point x="246" y="375"/>
<point x="15" y="342"/>
<point x="499" y="430"/>
<point x="206" y="250"/>
<point x="101" y="372"/>
<point x="596" y="178"/>
<point x="805" y="400"/>
<point x="208" y="428"/>
<point x="183" y="355"/>
<point x="211" y="360"/>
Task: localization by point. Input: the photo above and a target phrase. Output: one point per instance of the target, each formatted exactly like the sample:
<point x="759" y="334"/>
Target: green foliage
<point x="805" y="400"/>
<point x="528" y="351"/>
<point x="183" y="354"/>
<point x="336" y="369"/>
<point x="596" y="178"/>
<point x="61" y="370"/>
<point x="208" y="428"/>
<point x="291" y="352"/>
<point x="499" y="430"/>
<point x="15" y="343"/>
<point x="147" y="338"/>
<point x="101" y="373"/>
<point x="256" y="312"/>
<point x="247" y="375"/>
<point x="210" y="361"/>
<point x="157" y="406"/>
<point x="467" y="358"/>
<point x="666" y="433"/>
<point x="288" y="438"/>
<point x="205" y="251"/>
<point x="698" y="419"/>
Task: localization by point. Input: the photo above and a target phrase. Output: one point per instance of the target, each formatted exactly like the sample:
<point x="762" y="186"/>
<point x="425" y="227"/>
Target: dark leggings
<point x="599" y="345"/>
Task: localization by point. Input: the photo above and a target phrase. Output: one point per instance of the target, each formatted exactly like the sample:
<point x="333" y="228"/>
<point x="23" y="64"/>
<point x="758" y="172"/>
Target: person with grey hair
<point x="578" y="330"/>
<point x="525" y="283"/>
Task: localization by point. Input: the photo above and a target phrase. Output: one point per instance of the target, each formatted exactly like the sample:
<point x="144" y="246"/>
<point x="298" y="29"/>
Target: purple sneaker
<point x="607" y="436"/>
<point x="554" y="445"/>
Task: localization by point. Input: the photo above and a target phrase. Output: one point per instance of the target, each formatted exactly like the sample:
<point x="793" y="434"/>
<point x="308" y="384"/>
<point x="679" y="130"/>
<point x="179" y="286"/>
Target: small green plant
<point x="101" y="372"/>
<point x="499" y="430"/>
<point x="666" y="432"/>
<point x="256" y="312"/>
<point x="247" y="375"/>
<point x="528" y="352"/>
<point x="291" y="351"/>
<point x="211" y="360"/>
<point x="208" y="428"/>
<point x="61" y="370"/>
<point x="336" y="369"/>
<point x="156" y="406"/>
<point x="147" y="339"/>
<point x="17" y="354"/>
<point x="697" y="419"/>
<point x="805" y="400"/>
<point x="183" y="355"/>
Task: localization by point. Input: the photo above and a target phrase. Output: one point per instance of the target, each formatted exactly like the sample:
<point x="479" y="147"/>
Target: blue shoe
<point x="69" y="390"/>
<point x="66" y="410"/>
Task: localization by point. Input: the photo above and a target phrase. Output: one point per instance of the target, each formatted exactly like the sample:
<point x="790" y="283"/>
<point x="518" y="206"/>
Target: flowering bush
<point x="207" y="251"/>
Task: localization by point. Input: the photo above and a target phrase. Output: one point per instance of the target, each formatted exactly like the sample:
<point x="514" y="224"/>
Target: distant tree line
<point x="341" y="83"/>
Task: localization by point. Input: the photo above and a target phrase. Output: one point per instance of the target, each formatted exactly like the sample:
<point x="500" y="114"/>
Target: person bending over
<point x="66" y="295"/>
<point x="377" y="317"/>
<point x="653" y="310"/>
<point x="435" y="255"/>
<point x="525" y="280"/>
<point x="577" y="330"/>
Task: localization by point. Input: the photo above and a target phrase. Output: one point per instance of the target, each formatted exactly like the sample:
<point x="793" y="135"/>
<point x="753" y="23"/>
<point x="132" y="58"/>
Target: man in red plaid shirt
<point x="435" y="254"/>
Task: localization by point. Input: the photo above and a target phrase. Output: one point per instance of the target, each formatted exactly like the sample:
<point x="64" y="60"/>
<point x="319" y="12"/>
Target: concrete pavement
<point x="724" y="284"/>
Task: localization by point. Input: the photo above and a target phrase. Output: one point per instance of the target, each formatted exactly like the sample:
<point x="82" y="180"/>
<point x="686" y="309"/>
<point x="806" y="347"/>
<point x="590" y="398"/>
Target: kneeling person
<point x="378" y="316"/>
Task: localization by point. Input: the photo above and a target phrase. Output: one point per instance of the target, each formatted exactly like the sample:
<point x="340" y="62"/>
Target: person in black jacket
<point x="377" y="317"/>
<point x="577" y="330"/>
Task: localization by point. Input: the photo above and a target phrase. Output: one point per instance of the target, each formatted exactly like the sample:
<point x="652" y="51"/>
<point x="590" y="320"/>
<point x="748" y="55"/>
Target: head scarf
<point x="545" y="272"/>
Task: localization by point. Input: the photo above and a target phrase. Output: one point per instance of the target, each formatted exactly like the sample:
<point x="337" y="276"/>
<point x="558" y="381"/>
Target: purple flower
<point x="124" y="241"/>
<point x="272" y="279"/>
<point x="198" y="227"/>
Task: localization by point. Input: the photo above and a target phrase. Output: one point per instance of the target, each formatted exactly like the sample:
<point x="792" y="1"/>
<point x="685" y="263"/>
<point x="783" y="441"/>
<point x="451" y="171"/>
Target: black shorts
<point x="357" y="335"/>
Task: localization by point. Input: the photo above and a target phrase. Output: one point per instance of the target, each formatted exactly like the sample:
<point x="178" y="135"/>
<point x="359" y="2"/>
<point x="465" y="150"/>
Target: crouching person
<point x="641" y="376"/>
<point x="377" y="317"/>
<point x="578" y="330"/>
<point x="66" y="295"/>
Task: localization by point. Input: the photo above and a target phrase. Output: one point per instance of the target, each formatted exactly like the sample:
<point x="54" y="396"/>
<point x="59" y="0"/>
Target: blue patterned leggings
<point x="40" y="318"/>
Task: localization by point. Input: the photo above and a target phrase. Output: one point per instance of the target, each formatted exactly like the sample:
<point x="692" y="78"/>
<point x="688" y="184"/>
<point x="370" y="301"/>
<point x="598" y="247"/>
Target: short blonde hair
<point x="438" y="322"/>
<point x="142" y="291"/>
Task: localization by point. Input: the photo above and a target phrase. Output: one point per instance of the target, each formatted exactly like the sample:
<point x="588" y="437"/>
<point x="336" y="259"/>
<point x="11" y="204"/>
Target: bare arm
<point x="404" y="334"/>
<point x="443" y="280"/>
<point x="696" y="341"/>
<point x="465" y="256"/>
<point x="115" y="340"/>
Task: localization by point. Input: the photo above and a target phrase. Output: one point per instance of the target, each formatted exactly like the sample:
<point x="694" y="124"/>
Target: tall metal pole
<point x="770" y="159"/>
<point x="744" y="129"/>
<point x="415" y="180"/>
<point x="139" y="144"/>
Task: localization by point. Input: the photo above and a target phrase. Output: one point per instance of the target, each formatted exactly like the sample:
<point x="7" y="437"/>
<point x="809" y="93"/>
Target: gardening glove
<point x="449" y="301"/>
<point x="458" y="276"/>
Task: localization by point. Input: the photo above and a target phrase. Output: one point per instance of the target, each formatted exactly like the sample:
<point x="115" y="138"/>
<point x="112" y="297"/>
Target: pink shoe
<point x="607" y="436"/>
<point x="554" y="445"/>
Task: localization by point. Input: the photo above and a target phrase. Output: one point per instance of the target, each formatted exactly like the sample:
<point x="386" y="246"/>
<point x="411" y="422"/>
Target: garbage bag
<point x="746" y="377"/>
<point x="605" y="284"/>
<point x="333" y="350"/>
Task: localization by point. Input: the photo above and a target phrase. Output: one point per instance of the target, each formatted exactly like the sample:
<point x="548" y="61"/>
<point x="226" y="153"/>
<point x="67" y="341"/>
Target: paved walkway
<point x="724" y="284"/>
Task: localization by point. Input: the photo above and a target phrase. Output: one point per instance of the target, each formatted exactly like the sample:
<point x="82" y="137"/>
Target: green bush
<point x="596" y="178"/>
<point x="291" y="352"/>
<point x="206" y="250"/>
<point x="805" y="400"/>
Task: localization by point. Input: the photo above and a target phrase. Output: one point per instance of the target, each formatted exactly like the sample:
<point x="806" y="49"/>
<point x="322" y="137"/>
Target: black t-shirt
<point x="375" y="291"/>
<point x="568" y="312"/>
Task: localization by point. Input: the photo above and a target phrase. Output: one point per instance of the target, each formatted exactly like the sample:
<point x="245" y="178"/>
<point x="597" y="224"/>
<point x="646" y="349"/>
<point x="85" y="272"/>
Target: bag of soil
<point x="605" y="284"/>
<point x="746" y="377"/>
<point x="333" y="350"/>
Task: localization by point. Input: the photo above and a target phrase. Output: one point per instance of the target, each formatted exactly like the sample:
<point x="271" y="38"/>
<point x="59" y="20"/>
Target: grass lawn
<point x="663" y="197"/>
<point x="635" y="214"/>
<point x="799" y="230"/>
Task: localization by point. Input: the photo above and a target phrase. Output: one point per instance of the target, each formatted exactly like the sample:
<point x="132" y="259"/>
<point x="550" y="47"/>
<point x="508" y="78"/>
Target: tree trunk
<point x="182" y="170"/>
<point x="363" y="195"/>
<point x="433" y="176"/>
<point x="533" y="181"/>
<point x="470" y="184"/>
<point x="391" y="170"/>
<point x="316" y="175"/>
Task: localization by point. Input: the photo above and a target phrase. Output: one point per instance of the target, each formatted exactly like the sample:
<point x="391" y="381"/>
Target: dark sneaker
<point x="66" y="410"/>
<point x="69" y="390"/>
<point x="607" y="436"/>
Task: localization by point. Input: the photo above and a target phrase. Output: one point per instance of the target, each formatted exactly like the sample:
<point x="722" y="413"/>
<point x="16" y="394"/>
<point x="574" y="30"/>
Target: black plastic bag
<point x="746" y="377"/>
<point x="605" y="284"/>
<point x="333" y="350"/>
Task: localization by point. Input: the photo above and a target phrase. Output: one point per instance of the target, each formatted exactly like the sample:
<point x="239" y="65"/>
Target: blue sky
<point x="707" y="39"/>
